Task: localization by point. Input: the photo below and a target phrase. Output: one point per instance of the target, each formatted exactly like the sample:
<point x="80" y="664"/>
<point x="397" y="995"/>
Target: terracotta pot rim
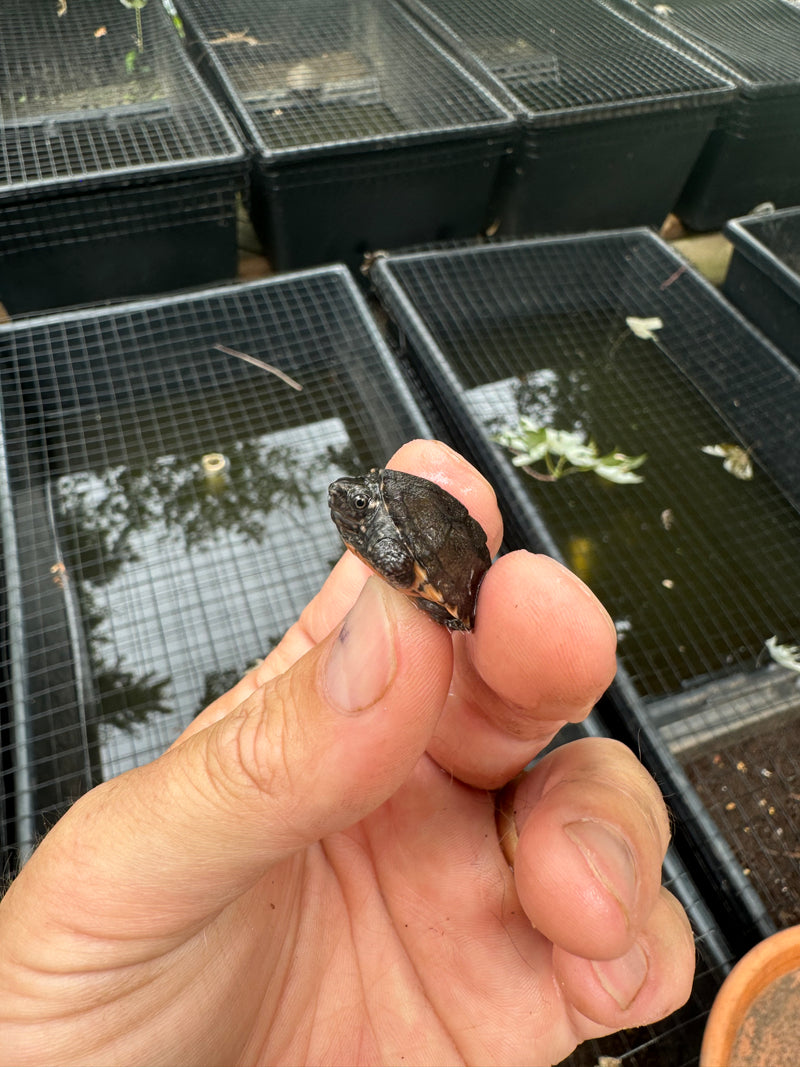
<point x="771" y="959"/>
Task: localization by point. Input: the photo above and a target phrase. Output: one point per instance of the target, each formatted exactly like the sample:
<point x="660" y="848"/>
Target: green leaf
<point x="787" y="656"/>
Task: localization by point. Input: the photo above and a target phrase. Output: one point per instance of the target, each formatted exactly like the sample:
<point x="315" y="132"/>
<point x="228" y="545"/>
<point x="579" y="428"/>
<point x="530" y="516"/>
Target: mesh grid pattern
<point x="78" y="100"/>
<point x="562" y="54"/>
<point x="697" y="567"/>
<point x="147" y="586"/>
<point x="540" y="331"/>
<point x="754" y="40"/>
<point x="325" y="72"/>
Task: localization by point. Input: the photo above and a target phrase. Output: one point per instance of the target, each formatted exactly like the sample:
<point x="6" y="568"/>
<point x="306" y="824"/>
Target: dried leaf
<point x="787" y="656"/>
<point x="736" y="459"/>
<point x="644" y="329"/>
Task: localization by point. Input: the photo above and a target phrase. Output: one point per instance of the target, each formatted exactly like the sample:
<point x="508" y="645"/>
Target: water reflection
<point x="182" y="584"/>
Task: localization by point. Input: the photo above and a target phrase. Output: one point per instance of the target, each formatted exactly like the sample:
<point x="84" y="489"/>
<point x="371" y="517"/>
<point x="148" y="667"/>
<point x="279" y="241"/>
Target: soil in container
<point x="750" y="784"/>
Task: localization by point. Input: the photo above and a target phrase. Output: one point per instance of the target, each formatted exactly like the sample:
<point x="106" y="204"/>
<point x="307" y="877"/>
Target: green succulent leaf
<point x="565" y="452"/>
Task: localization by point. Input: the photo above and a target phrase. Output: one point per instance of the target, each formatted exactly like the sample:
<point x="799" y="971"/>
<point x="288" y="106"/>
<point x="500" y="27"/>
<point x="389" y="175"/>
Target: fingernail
<point x="624" y="977"/>
<point x="361" y="665"/>
<point x="608" y="857"/>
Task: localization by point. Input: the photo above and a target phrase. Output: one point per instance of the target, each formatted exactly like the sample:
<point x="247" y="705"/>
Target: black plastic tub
<point x="366" y="134"/>
<point x="698" y="567"/>
<point x="763" y="278"/>
<point x="164" y="511"/>
<point x="119" y="173"/>
<point x="613" y="118"/>
<point x="753" y="156"/>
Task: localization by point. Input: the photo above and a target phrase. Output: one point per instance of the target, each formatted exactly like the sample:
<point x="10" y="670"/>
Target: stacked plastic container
<point x="753" y="156"/>
<point x="118" y="171"/>
<point x="366" y="133"/>
<point x="612" y="343"/>
<point x="763" y="278"/>
<point x="613" y="118"/>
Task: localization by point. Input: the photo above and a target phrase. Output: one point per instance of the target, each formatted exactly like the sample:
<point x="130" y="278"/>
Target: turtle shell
<point x="417" y="537"/>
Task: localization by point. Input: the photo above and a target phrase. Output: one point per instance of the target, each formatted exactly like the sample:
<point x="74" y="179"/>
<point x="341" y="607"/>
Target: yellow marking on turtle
<point x="426" y="591"/>
<point x="423" y="590"/>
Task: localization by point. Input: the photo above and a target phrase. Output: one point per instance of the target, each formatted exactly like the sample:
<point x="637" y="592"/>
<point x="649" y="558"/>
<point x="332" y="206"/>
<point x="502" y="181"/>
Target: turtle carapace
<point x="416" y="536"/>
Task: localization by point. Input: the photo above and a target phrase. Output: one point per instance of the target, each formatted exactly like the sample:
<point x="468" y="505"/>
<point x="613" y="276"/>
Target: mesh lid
<point x="321" y="72"/>
<point x="754" y="40"/>
<point x="79" y="97"/>
<point x="166" y="505"/>
<point x="563" y="54"/>
<point x="698" y="567"/>
<point x="772" y="241"/>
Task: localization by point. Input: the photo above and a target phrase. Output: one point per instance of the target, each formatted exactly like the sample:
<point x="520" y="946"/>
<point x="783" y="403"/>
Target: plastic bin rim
<point x="490" y="130"/>
<point x="622" y="236"/>
<point x="68" y="183"/>
<point x="186" y="296"/>
<point x="748" y="244"/>
<point x="701" y="99"/>
<point x="381" y="270"/>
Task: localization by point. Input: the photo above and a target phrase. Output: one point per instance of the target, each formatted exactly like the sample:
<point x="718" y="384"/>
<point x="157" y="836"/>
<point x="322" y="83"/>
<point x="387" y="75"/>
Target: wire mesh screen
<point x="695" y="564"/>
<point x="698" y="566"/>
<point x="92" y="88"/>
<point x="325" y="72"/>
<point x="167" y="507"/>
<point x="763" y="278"/>
<point x="561" y="54"/>
<point x="757" y="41"/>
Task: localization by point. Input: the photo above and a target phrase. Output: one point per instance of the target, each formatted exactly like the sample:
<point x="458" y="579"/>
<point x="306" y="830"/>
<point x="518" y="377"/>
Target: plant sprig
<point x="565" y="452"/>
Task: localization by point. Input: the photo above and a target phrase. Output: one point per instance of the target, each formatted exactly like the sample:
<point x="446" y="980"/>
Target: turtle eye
<point x="359" y="501"/>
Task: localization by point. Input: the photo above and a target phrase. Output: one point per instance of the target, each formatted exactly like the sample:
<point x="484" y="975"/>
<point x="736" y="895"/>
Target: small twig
<point x="236" y="37"/>
<point x="672" y="278"/>
<point x="539" y="476"/>
<point x="260" y="363"/>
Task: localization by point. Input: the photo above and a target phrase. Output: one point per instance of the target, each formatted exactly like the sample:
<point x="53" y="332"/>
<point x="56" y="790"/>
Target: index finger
<point x="541" y="654"/>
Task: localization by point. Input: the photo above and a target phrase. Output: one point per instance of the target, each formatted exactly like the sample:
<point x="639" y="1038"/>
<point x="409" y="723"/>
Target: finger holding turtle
<point x="542" y="650"/>
<point x="541" y="654"/>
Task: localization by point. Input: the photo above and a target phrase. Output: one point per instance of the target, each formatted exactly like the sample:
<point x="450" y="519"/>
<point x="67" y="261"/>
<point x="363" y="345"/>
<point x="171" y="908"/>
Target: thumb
<point x="311" y="752"/>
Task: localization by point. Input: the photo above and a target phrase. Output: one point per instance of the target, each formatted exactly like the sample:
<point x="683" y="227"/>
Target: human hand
<point x="312" y="872"/>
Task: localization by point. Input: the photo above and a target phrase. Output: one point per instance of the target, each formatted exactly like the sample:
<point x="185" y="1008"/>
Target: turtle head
<point x="353" y="502"/>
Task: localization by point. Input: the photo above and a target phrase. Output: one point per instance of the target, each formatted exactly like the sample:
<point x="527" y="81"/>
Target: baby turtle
<point x="417" y="537"/>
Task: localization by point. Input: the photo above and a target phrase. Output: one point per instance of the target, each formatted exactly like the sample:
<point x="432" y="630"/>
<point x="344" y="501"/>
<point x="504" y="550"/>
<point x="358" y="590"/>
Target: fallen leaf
<point x="644" y="329"/>
<point x="736" y="460"/>
<point x="785" y="655"/>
